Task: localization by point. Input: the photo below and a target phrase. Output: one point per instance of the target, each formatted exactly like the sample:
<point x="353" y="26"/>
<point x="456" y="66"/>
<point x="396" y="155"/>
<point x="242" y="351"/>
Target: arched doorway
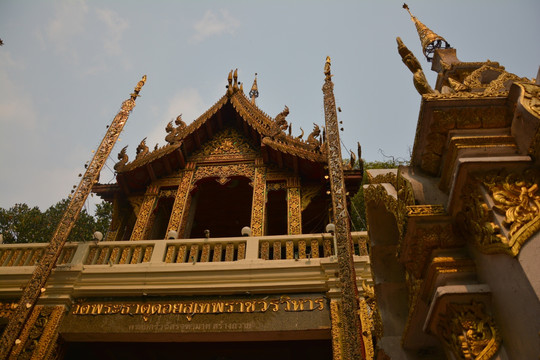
<point x="224" y="209"/>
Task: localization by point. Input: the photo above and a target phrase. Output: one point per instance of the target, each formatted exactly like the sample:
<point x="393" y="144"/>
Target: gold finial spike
<point x="138" y="88"/>
<point x="327" y="67"/>
<point x="429" y="40"/>
<point x="254" y="92"/>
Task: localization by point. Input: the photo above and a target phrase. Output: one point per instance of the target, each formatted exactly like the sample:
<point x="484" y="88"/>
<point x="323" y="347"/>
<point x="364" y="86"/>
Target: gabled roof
<point x="232" y="109"/>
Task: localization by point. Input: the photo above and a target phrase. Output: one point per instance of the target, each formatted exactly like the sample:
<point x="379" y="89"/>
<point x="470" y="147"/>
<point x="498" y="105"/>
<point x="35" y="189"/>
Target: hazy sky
<point x="66" y="66"/>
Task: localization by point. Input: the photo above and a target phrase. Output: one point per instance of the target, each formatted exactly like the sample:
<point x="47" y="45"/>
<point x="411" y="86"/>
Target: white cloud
<point x="85" y="36"/>
<point x="213" y="24"/>
<point x="65" y="27"/>
<point x="116" y="27"/>
<point x="17" y="108"/>
<point x="188" y="102"/>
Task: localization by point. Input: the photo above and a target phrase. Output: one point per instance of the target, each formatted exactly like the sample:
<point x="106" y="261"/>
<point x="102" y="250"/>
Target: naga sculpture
<point x="312" y="138"/>
<point x="122" y="156"/>
<point x="180" y="123"/>
<point x="419" y="78"/>
<point x="173" y="134"/>
<point x="142" y="149"/>
<point x="299" y="137"/>
<point x="280" y="122"/>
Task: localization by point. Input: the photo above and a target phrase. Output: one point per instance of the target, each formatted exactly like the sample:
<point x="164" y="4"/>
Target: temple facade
<point x="232" y="240"/>
<point x="219" y="248"/>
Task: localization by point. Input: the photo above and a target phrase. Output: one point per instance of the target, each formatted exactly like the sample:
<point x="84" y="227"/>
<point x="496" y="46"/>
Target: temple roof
<point x="236" y="110"/>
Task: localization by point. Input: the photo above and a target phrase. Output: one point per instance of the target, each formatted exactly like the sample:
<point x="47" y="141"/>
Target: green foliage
<point x="358" y="206"/>
<point x="22" y="224"/>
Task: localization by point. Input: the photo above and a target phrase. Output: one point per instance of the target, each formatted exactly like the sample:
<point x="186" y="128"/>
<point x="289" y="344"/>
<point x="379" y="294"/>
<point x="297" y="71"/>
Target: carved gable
<point x="227" y="145"/>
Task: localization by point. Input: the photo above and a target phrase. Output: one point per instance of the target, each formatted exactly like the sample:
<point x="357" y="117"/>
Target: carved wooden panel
<point x="294" y="211"/>
<point x="259" y="202"/>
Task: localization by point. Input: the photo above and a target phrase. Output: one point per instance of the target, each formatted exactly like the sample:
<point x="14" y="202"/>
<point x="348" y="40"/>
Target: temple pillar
<point x="259" y="199"/>
<point x="337" y="335"/>
<point x="38" y="337"/>
<point x="367" y="316"/>
<point x="294" y="208"/>
<point x="145" y="211"/>
<point x="180" y="206"/>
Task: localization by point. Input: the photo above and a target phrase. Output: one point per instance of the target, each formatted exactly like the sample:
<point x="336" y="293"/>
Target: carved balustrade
<point x="115" y="253"/>
<point x="279" y="247"/>
<point x="30" y="254"/>
<point x="306" y="246"/>
<point x="211" y="250"/>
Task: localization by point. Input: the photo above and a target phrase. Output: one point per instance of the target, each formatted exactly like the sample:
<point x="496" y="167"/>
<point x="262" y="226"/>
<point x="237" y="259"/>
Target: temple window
<point x="224" y="209"/>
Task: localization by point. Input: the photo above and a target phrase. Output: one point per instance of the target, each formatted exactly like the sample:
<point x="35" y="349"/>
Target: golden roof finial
<point x="430" y="41"/>
<point x="327" y="65"/>
<point x="254" y="92"/>
<point x="138" y="87"/>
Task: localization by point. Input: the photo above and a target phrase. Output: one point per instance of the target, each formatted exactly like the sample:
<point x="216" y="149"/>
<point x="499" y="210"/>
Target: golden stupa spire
<point x="430" y="41"/>
<point x="254" y="92"/>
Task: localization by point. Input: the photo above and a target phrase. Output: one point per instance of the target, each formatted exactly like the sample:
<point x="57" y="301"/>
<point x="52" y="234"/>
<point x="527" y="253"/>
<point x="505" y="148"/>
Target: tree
<point x="22" y="224"/>
<point x="358" y="206"/>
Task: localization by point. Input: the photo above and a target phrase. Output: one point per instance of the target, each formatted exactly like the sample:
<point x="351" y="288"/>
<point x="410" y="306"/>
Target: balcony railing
<point x="184" y="251"/>
<point x="30" y="254"/>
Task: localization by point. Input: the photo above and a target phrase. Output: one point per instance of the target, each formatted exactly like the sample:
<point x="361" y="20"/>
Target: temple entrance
<point x="160" y="218"/>
<point x="222" y="209"/>
<point x="261" y="350"/>
<point x="276" y="212"/>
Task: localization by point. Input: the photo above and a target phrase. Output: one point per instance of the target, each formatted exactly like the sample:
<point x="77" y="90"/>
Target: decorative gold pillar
<point x="337" y="337"/>
<point x="180" y="208"/>
<point x="294" y="208"/>
<point x="366" y="319"/>
<point x="39" y="334"/>
<point x="33" y="288"/>
<point x="353" y="347"/>
<point x="259" y="199"/>
<point x="144" y="213"/>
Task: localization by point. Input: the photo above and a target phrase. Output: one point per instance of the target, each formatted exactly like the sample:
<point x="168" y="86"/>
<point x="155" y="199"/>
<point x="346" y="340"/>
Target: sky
<point x="66" y="67"/>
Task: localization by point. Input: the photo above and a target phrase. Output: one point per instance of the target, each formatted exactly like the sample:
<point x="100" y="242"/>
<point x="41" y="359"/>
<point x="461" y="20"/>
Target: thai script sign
<point x="191" y="308"/>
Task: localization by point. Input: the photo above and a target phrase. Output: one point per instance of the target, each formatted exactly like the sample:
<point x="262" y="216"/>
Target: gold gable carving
<point x="515" y="199"/>
<point x="469" y="332"/>
<point x="229" y="144"/>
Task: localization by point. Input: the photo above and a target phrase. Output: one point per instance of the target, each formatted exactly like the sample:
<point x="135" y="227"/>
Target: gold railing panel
<point x="218" y="253"/>
<point x="31" y="254"/>
<point x="265" y="250"/>
<point x="277" y="250"/>
<point x="205" y="254"/>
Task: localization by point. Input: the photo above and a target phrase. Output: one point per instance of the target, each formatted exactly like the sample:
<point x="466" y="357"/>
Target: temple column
<point x="259" y="199"/>
<point x="38" y="337"/>
<point x="180" y="207"/>
<point x="337" y="335"/>
<point x="294" y="208"/>
<point x="367" y="316"/>
<point x="144" y="213"/>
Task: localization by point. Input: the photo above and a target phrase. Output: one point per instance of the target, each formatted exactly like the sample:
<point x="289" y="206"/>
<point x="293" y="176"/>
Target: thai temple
<point x="233" y="240"/>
